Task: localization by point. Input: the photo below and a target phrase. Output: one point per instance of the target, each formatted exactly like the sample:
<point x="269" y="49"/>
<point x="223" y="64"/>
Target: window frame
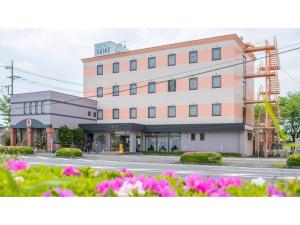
<point x="113" y="114"/>
<point x="130" y="116"/>
<point x="193" y="136"/>
<point x="101" y="94"/>
<point x="190" y="53"/>
<point x="131" y="61"/>
<point x="212" y="53"/>
<point x="97" y="114"/>
<point x="191" y="79"/>
<point x="202" y="136"/>
<point x="150" y="84"/>
<point x="171" y="107"/>
<point x="116" y="63"/>
<point x="190" y="106"/>
<point x="149" y="108"/>
<point x="115" y="93"/>
<point x="150" y="58"/>
<point x="212" y="81"/>
<point x="171" y="55"/>
<point x="130" y="89"/>
<point x="98" y="66"/>
<point x="169" y="82"/>
<point x="212" y="109"/>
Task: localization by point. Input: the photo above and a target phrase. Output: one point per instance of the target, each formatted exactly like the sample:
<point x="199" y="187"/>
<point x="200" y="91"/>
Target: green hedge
<point x="231" y="154"/>
<point x="68" y="152"/>
<point x="1" y="149"/>
<point x="293" y="160"/>
<point x="17" y="150"/>
<point x="202" y="158"/>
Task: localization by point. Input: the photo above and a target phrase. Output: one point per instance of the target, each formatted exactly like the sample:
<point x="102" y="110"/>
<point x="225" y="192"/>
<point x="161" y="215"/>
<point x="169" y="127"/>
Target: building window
<point x="99" y="91"/>
<point x="193" y="136"/>
<point x="24" y="106"/>
<point x="216" y="109"/>
<point x="202" y="136"/>
<point x="216" y="53"/>
<point x="116" y="67"/>
<point x="244" y="115"/>
<point x="151" y="112"/>
<point x="193" y="83"/>
<point x="43" y="107"/>
<point x="89" y="113"/>
<point x="133" y="65"/>
<point x="171" y="85"/>
<point x="172" y="60"/>
<point x="249" y="136"/>
<point x="100" y="114"/>
<point x="151" y="87"/>
<point x="244" y="90"/>
<point x="133" y="89"/>
<point x="132" y="113"/>
<point x="94" y="114"/>
<point x="193" y="57"/>
<point x="244" y="65"/>
<point x="38" y="107"/>
<point x="116" y="90"/>
<point x="30" y="107"/>
<point x="115" y="113"/>
<point x="171" y="111"/>
<point x="216" y="81"/>
<point x="99" y="69"/>
<point x="193" y="110"/>
<point x="151" y="62"/>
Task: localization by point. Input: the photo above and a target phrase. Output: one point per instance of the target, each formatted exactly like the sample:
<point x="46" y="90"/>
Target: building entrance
<point x="117" y="138"/>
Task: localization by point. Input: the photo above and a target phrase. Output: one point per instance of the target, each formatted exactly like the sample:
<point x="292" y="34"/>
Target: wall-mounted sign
<point x="28" y="122"/>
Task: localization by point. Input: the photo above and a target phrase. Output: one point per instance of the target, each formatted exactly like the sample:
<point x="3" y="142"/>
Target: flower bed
<point x="18" y="178"/>
<point x="293" y="160"/>
<point x="68" y="152"/>
<point x="211" y="158"/>
<point x="16" y="150"/>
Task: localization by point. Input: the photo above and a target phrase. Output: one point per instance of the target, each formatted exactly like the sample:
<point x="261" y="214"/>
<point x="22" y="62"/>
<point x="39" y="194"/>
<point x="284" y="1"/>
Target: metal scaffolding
<point x="265" y="133"/>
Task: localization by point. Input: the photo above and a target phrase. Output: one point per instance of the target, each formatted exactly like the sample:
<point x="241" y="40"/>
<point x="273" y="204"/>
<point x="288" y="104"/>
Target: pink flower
<point x="166" y="192"/>
<point x="103" y="187"/>
<point x="273" y="192"/>
<point x="170" y="173"/>
<point x="70" y="171"/>
<point x="126" y="172"/>
<point x="192" y="181"/>
<point x="59" y="193"/>
<point x="16" y="165"/>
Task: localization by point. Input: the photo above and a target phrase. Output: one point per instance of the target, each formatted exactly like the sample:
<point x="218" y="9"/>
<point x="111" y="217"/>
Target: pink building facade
<point x="187" y="96"/>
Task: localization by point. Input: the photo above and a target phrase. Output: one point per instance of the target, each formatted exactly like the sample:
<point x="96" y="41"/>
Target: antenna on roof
<point x="124" y="43"/>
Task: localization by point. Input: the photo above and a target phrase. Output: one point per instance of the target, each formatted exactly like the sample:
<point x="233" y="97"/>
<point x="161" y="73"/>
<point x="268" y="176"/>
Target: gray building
<point x="37" y="115"/>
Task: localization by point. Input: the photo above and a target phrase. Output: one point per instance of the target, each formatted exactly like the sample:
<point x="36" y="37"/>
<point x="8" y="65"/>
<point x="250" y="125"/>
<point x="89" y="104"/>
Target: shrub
<point x="1" y="149"/>
<point x="68" y="152"/>
<point x="65" y="136"/>
<point x="79" y="137"/>
<point x="230" y="154"/>
<point x="17" y="150"/>
<point x="202" y="158"/>
<point x="293" y="160"/>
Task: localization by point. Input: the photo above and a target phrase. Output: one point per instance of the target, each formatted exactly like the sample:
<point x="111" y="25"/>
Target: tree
<point x="290" y="114"/>
<point x="258" y="108"/>
<point x="65" y="136"/>
<point x="5" y="110"/>
<point x="79" y="137"/>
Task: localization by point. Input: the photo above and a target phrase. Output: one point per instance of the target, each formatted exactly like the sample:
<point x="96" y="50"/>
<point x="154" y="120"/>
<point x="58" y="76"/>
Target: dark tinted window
<point x="115" y="113"/>
<point x="133" y="89"/>
<point x="133" y="65"/>
<point x="193" y="57"/>
<point x="193" y="83"/>
<point x="151" y="62"/>
<point x="216" y="53"/>
<point x="151" y="87"/>
<point x="216" y="109"/>
<point x="172" y="60"/>
<point x="115" y="90"/>
<point x="151" y="112"/>
<point x="172" y="111"/>
<point x="171" y="85"/>
<point x="116" y="68"/>
<point x="100" y="70"/>
<point x="193" y="110"/>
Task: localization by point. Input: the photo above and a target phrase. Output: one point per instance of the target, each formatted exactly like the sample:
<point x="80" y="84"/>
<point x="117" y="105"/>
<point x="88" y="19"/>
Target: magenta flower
<point x="126" y="172"/>
<point x="70" y="171"/>
<point x="16" y="165"/>
<point x="273" y="192"/>
<point x="170" y="173"/>
<point x="103" y="187"/>
<point x="59" y="193"/>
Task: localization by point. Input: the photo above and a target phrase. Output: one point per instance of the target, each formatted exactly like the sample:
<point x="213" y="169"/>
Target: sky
<point x="57" y="52"/>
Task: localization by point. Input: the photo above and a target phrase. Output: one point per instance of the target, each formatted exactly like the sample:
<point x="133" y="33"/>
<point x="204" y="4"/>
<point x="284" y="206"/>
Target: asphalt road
<point x="153" y="165"/>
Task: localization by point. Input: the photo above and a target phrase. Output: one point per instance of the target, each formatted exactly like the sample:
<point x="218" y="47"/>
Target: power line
<point x="290" y="76"/>
<point x="192" y="75"/>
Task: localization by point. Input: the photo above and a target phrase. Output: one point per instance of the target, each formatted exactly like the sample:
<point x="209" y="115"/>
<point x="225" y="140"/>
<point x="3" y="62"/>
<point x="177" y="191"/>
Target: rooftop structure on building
<point x="109" y="47"/>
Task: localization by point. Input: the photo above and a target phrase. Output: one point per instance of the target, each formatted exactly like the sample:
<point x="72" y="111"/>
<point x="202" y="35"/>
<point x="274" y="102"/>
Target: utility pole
<point x="12" y="77"/>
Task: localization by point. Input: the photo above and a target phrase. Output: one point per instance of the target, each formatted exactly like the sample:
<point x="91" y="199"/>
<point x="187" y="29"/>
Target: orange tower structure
<point x="265" y="133"/>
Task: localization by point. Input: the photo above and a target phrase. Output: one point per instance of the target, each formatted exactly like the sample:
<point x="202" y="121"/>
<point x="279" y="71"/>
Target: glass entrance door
<point x="117" y="138"/>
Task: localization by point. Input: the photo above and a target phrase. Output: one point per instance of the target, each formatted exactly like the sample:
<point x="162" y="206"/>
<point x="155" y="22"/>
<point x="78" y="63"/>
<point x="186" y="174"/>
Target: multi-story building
<point x="186" y="96"/>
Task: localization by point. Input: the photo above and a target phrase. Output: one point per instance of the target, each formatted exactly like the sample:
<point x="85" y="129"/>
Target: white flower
<point x="258" y="181"/>
<point x="126" y="189"/>
<point x="19" y="179"/>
